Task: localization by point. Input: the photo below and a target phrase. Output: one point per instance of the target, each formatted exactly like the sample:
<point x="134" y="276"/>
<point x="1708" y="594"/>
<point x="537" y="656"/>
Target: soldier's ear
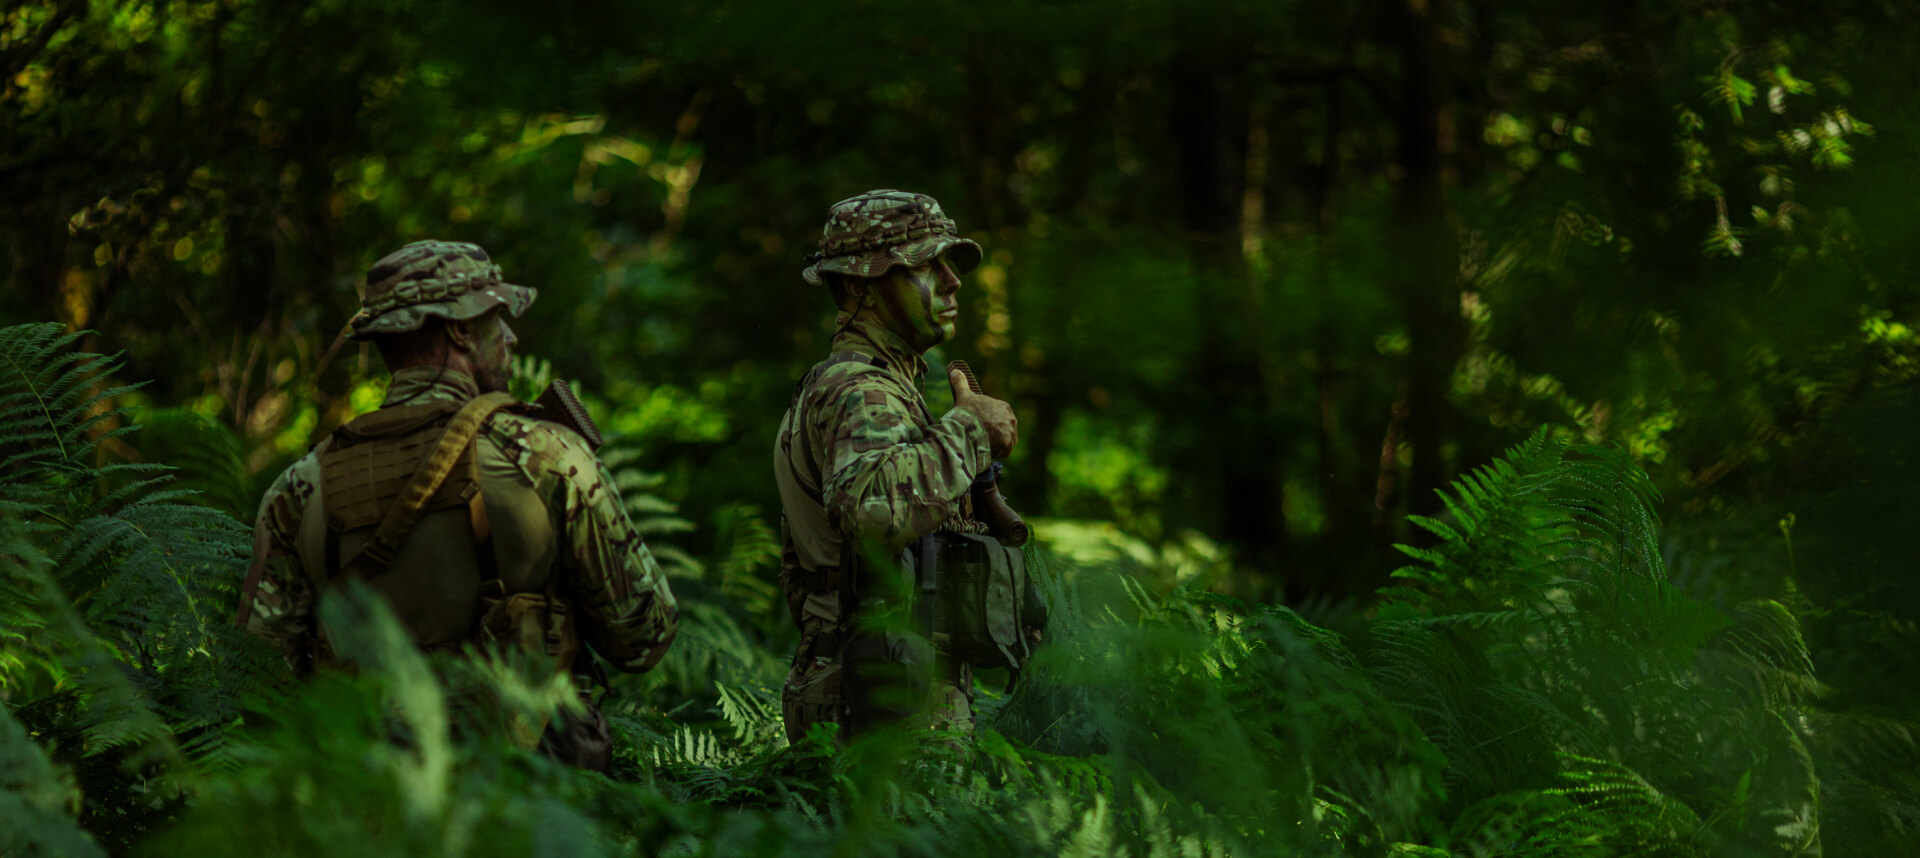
<point x="459" y="335"/>
<point x="853" y="289"/>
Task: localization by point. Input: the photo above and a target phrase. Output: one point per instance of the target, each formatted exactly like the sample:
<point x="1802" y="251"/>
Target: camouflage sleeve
<point x="276" y="602"/>
<point x="887" y="478"/>
<point x="627" y="610"/>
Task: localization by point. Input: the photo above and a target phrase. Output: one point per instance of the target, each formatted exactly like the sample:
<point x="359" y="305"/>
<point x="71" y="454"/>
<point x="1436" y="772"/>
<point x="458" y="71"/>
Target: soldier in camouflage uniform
<point x="526" y="523"/>
<point x="864" y="468"/>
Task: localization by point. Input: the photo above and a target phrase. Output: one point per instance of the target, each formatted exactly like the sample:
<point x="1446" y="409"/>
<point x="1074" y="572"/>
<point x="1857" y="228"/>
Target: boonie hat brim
<point x="874" y="263"/>
<point x="467" y="305"/>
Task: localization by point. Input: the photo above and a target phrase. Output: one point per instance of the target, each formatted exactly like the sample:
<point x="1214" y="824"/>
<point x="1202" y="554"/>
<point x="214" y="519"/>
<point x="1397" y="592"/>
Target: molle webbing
<point x="387" y="454"/>
<point x="371" y="459"/>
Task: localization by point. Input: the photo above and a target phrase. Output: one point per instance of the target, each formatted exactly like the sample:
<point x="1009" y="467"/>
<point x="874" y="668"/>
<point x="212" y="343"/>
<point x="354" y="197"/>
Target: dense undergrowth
<point x="1537" y="687"/>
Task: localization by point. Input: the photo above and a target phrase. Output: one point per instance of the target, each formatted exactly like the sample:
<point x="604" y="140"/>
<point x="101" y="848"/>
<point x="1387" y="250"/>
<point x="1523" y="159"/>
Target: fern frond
<point x="36" y="802"/>
<point x="1617" y="806"/>
<point x="750" y="552"/>
<point x="209" y="457"/>
<point x="752" y="713"/>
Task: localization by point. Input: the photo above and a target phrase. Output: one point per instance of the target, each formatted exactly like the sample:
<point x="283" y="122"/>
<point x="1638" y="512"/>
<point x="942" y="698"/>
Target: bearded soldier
<point x="479" y="520"/>
<point x="874" y="487"/>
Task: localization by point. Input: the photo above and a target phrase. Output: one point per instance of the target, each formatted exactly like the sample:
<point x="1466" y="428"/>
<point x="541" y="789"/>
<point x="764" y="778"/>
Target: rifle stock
<point x="557" y="403"/>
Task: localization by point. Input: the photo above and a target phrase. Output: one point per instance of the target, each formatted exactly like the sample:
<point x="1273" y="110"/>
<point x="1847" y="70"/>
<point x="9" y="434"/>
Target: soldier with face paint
<point x="865" y="469"/>
<point x="516" y="540"/>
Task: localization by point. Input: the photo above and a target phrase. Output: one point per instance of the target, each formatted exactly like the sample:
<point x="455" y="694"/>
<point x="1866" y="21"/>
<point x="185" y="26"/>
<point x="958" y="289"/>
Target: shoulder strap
<point x="405" y="512"/>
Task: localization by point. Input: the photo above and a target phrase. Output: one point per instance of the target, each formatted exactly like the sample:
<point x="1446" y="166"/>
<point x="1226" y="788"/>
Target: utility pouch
<point x="884" y="676"/>
<point x="528" y="623"/>
<point x="983" y="584"/>
<point x="869" y="576"/>
<point x="969" y="588"/>
<point x="581" y="739"/>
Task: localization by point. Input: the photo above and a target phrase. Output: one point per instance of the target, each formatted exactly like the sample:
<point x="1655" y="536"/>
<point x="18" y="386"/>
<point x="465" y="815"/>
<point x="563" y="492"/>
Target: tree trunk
<point x="1239" y="473"/>
<point x="1429" y="287"/>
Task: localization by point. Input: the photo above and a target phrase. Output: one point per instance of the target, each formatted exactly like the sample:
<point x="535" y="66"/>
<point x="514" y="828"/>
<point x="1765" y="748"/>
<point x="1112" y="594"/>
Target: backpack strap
<point x="482" y="528"/>
<point x="400" y="519"/>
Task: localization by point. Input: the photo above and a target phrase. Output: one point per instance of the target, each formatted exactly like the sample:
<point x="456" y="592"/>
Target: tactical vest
<point x="968" y="589"/>
<point x="432" y="550"/>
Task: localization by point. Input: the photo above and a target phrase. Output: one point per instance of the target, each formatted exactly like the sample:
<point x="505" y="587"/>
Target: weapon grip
<point x="1005" y="524"/>
<point x="972" y="383"/>
<point x="557" y="403"/>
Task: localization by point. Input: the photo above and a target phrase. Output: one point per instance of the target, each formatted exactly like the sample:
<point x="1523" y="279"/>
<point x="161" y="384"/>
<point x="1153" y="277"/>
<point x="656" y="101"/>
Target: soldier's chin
<point x="493" y="381"/>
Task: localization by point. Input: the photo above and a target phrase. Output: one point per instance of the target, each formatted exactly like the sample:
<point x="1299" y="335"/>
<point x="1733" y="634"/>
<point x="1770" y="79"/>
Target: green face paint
<point x="920" y="304"/>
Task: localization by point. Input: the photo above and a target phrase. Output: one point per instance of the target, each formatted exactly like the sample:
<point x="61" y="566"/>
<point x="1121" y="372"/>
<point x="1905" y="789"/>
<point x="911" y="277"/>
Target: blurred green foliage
<point x="1545" y="689"/>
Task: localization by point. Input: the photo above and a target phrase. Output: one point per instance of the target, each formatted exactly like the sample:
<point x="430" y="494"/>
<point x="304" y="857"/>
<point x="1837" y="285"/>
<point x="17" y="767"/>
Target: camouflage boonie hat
<point x="449" y="279"/>
<point x="869" y="234"/>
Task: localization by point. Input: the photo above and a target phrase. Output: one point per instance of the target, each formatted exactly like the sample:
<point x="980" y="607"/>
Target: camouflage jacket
<point x="860" y="457"/>
<point x="540" y="483"/>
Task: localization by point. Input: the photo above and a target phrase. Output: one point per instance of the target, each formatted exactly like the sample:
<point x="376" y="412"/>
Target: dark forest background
<point x="1260" y="277"/>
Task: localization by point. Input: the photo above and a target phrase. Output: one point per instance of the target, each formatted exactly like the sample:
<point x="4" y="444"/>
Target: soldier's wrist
<point x="978" y="440"/>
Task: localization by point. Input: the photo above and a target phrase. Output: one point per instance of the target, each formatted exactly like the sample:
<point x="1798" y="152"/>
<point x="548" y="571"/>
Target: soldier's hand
<point x="1003" y="429"/>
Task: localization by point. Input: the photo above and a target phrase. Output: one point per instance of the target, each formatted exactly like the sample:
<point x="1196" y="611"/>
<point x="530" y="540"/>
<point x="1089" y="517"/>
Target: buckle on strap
<point x="823" y="580"/>
<point x="556" y="623"/>
<point x="376" y="555"/>
<point x="825" y="644"/>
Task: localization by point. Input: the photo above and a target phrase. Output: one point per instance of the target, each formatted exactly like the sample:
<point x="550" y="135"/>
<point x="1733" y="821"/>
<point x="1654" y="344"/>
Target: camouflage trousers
<point x="824" y="688"/>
